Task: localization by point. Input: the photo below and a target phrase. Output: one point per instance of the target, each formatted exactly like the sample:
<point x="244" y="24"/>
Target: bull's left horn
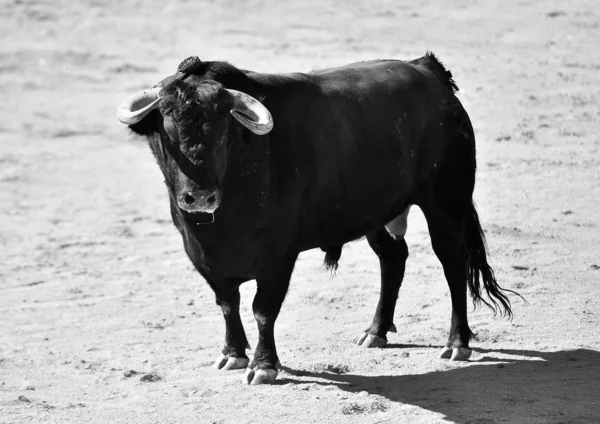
<point x="134" y="108"/>
<point x="251" y="113"/>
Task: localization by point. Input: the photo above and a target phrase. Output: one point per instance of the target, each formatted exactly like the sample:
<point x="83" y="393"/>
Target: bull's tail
<point x="481" y="276"/>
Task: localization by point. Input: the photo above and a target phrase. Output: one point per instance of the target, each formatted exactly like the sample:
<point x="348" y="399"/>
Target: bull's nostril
<point x="211" y="199"/>
<point x="188" y="199"/>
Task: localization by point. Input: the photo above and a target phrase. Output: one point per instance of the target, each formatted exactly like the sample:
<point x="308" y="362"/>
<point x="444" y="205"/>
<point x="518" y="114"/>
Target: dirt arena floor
<point x="103" y="319"/>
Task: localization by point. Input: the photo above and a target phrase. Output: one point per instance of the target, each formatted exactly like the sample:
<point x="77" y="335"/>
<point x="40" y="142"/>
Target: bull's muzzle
<point x="199" y="201"/>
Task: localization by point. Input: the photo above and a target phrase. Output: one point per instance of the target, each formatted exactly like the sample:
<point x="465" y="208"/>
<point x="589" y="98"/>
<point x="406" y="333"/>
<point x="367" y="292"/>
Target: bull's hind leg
<point x="447" y="232"/>
<point x="389" y="245"/>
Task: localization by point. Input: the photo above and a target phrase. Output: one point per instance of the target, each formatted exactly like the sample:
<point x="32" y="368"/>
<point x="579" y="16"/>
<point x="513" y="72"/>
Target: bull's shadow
<point x="514" y="386"/>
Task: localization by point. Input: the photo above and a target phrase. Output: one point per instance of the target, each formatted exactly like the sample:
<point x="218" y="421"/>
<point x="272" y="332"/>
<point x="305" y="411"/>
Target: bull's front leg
<point x="233" y="356"/>
<point x="271" y="289"/>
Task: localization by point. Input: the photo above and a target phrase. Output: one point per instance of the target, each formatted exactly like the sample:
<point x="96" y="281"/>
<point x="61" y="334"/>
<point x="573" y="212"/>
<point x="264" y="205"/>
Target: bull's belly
<point x="339" y="229"/>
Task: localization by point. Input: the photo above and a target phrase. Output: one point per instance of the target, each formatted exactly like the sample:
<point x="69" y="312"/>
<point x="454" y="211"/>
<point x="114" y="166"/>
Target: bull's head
<point x="196" y="123"/>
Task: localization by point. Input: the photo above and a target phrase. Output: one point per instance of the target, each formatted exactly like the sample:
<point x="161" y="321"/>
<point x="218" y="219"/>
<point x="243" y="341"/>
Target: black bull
<point x="352" y="148"/>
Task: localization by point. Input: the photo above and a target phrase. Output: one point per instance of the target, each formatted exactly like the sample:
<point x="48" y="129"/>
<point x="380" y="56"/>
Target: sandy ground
<point x="97" y="296"/>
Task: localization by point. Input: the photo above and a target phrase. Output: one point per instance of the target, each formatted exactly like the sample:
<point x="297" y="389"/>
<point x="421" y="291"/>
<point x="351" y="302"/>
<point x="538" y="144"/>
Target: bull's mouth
<point x="198" y="218"/>
<point x="199" y="210"/>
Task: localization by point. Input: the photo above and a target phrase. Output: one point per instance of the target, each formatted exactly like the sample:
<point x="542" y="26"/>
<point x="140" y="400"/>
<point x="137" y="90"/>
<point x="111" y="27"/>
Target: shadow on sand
<point x="514" y="386"/>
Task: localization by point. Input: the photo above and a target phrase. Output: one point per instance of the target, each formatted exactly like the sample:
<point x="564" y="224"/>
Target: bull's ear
<point x="251" y="113"/>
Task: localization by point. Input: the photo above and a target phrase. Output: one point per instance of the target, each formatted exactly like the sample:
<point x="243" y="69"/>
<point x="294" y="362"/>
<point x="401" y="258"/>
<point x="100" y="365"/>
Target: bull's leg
<point x="389" y="245"/>
<point x="233" y="355"/>
<point x="446" y="230"/>
<point x="270" y="293"/>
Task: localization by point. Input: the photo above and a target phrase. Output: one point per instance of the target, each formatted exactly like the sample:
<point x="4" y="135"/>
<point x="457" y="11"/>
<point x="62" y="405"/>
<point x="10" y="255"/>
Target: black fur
<point x="432" y="64"/>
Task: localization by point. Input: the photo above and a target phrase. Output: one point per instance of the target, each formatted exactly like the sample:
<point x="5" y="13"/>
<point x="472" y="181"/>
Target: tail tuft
<point x="498" y="300"/>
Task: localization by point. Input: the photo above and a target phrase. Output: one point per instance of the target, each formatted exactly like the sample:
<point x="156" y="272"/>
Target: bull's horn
<point x="251" y="113"/>
<point x="134" y="108"/>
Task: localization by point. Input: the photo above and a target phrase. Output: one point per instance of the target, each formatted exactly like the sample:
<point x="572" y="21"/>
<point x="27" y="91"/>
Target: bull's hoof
<point x="230" y="363"/>
<point x="255" y="376"/>
<point x="369" y="340"/>
<point x="456" y="353"/>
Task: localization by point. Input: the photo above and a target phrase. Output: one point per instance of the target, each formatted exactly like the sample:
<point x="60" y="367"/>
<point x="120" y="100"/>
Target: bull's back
<point x="359" y="139"/>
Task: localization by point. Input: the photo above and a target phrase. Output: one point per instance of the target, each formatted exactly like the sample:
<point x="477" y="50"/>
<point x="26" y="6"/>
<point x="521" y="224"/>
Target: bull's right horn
<point x="134" y="108"/>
